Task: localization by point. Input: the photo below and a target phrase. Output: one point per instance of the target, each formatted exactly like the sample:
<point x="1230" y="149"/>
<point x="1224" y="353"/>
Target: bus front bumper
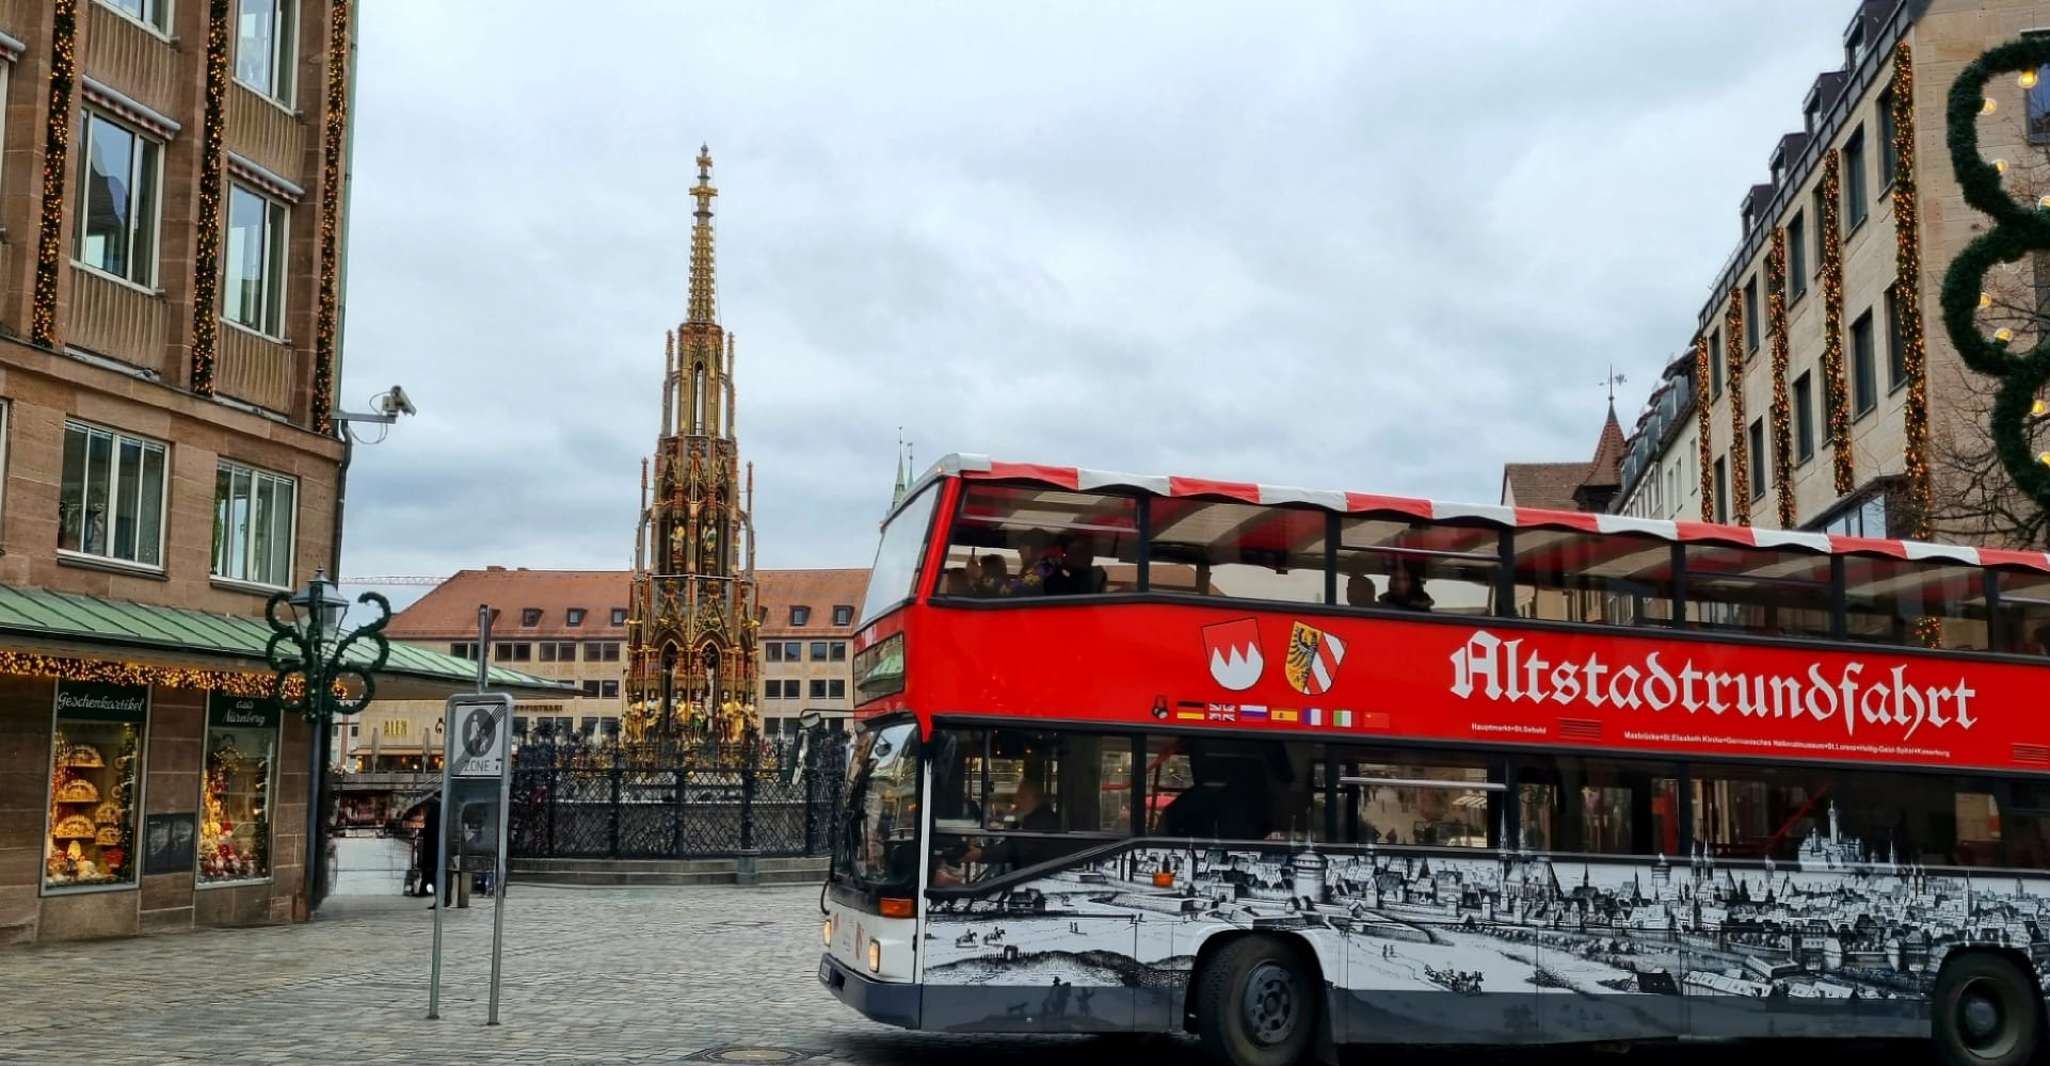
<point x="891" y="1004"/>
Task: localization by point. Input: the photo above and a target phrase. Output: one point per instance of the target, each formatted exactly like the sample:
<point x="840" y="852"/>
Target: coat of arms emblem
<point x="1313" y="658"/>
<point x="1234" y="652"/>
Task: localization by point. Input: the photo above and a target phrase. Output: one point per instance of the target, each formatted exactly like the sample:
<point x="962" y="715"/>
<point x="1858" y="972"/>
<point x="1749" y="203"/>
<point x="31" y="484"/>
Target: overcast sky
<point x="1380" y="247"/>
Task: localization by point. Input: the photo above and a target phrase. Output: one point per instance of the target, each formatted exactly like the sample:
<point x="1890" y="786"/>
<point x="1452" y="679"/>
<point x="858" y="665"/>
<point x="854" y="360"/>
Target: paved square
<point x="592" y="976"/>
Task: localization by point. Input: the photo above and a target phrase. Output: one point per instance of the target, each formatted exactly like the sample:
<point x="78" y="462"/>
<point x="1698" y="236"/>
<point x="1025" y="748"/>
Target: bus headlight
<point x="826" y="932"/>
<point x="875" y="956"/>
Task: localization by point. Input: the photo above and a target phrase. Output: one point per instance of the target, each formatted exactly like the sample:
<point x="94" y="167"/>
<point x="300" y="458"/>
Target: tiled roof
<point x="821" y="590"/>
<point x="1546" y="485"/>
<point x="449" y="612"/>
<point x="1606" y="471"/>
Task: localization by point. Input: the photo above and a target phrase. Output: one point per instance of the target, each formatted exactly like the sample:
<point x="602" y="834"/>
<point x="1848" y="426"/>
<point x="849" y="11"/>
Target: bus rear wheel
<point x="1256" y="1004"/>
<point x="1985" y="1013"/>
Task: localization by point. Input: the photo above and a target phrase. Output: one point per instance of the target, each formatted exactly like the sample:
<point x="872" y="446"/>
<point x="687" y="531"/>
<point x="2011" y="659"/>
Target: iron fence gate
<point x="668" y="801"/>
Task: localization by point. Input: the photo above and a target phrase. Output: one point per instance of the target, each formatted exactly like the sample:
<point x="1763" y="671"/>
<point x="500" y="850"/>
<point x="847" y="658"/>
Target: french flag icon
<point x="1234" y="652"/>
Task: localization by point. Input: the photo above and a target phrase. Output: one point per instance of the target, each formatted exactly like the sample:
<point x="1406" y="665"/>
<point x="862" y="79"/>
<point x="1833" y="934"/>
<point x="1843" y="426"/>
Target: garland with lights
<point x="1704" y="424"/>
<point x="333" y="124"/>
<point x="206" y="252"/>
<point x="2016" y="232"/>
<point x="1907" y="296"/>
<point x="56" y="151"/>
<point x="1740" y="445"/>
<point x="1833" y="384"/>
<point x="31" y="664"/>
<point x="1782" y="409"/>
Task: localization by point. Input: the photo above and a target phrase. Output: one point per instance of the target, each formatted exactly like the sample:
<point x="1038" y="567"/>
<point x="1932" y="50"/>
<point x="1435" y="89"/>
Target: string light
<point x="2000" y="166"/>
<point x="2003" y="334"/>
<point x="107" y="671"/>
<point x="2027" y="80"/>
<point x="1985" y="300"/>
<point x="333" y="125"/>
<point x="1782" y="409"/>
<point x="1740" y="443"/>
<point x="1907" y="292"/>
<point x="1989" y="106"/>
<point x="42" y="328"/>
<point x="1704" y="426"/>
<point x="2039" y="409"/>
<point x="2044" y="201"/>
<point x="206" y="252"/>
<point x="1833" y="327"/>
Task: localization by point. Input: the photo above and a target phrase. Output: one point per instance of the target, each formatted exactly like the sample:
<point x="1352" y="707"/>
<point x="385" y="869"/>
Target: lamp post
<point x="312" y="648"/>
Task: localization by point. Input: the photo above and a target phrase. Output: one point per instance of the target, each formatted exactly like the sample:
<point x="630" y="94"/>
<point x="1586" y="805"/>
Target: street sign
<point x="480" y="733"/>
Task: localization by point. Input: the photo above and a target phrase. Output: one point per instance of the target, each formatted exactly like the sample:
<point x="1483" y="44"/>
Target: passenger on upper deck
<point x="1359" y="588"/>
<point x="1078" y="573"/>
<point x="1406" y="587"/>
<point x="991" y="579"/>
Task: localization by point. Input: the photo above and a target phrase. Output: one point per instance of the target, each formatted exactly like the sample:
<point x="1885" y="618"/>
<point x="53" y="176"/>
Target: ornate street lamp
<point x="312" y="648"/>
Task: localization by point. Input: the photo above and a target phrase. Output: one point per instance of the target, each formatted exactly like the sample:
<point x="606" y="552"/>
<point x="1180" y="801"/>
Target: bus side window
<point x="1408" y="565"/>
<point x="1756" y="590"/>
<point x="1899" y="601"/>
<point x="1825" y="819"/>
<point x="1026" y="541"/>
<point x="1435" y="800"/>
<point x="1612" y="578"/>
<point x="2024" y="612"/>
<point x="1599" y="806"/>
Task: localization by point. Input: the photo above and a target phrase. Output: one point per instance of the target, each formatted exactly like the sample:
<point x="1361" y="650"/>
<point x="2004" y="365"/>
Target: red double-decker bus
<point x="1289" y="769"/>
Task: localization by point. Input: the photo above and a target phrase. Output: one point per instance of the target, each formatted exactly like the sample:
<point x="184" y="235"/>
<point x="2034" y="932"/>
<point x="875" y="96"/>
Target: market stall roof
<point x="48" y="622"/>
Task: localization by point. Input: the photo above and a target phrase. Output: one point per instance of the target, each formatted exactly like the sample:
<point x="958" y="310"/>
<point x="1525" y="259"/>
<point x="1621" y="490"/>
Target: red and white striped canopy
<point x="1082" y="479"/>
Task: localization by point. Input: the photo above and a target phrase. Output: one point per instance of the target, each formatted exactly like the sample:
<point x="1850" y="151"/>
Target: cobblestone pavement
<point x="591" y="976"/>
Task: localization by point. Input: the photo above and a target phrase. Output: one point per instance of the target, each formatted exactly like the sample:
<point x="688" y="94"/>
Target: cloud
<point x="1385" y="248"/>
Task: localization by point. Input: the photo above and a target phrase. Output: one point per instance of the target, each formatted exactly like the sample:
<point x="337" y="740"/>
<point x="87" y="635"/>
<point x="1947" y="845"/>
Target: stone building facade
<point x="1797" y="401"/>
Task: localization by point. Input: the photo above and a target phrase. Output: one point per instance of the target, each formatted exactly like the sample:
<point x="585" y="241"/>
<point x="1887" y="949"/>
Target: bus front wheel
<point x="1985" y="1013"/>
<point x="1256" y="1004"/>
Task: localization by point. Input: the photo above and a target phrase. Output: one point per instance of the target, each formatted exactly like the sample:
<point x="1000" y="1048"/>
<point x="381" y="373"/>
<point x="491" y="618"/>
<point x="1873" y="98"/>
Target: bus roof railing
<point x="1083" y="479"/>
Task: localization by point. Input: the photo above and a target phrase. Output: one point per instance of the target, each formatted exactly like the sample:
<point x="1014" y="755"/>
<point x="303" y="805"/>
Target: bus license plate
<point x="825" y="973"/>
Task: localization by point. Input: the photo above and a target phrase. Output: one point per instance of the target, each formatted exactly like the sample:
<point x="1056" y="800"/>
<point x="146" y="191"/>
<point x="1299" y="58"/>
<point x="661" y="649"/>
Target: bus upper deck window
<point x="1029" y="542"/>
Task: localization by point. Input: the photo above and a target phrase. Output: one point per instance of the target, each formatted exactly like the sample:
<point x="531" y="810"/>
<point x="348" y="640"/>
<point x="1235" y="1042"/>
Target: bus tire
<point x="1985" y="1012"/>
<point x="1256" y="1004"/>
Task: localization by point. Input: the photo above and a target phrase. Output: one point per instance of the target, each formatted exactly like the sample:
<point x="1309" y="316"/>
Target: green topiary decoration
<point x="2018" y="230"/>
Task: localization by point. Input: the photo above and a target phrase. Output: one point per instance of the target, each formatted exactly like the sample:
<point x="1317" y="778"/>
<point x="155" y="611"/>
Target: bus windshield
<point x="895" y="575"/>
<point x="880" y="847"/>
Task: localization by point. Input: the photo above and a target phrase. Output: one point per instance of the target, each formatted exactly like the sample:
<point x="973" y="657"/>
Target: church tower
<point x="691" y="623"/>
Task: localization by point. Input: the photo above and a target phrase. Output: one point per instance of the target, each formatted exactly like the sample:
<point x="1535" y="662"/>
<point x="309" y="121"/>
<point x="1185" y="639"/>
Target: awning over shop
<point x="40" y="625"/>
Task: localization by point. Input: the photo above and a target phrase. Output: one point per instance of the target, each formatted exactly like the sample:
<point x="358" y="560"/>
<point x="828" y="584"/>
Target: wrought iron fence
<point x="618" y="800"/>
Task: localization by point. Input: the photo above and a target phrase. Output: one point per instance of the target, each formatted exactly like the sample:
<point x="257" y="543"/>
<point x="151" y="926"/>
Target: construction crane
<point x="398" y="579"/>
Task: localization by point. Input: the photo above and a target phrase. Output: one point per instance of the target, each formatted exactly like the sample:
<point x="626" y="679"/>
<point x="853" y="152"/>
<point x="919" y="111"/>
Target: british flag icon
<point x="1234" y="651"/>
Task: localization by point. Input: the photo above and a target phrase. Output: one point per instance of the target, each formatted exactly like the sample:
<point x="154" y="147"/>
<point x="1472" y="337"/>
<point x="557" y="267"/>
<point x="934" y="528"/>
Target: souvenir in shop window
<point x="234" y="824"/>
<point x="95" y="751"/>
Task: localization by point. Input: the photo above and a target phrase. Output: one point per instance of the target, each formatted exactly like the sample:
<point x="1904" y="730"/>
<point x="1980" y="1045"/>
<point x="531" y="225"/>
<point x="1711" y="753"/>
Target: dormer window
<point x="843" y="615"/>
<point x="619" y="616"/>
<point x="800" y="616"/>
<point x="575" y="616"/>
<point x="530" y="616"/>
<point x="1854" y="42"/>
<point x="1811" y="113"/>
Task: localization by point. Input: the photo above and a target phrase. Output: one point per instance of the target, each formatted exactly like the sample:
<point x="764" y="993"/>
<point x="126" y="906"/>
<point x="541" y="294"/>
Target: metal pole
<point x="315" y="673"/>
<point x="440" y="851"/>
<point x="498" y="886"/>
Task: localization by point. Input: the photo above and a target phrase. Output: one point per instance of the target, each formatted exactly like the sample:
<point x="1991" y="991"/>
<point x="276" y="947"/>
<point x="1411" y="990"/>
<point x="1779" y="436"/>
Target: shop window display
<point x="234" y="822"/>
<point x="95" y="757"/>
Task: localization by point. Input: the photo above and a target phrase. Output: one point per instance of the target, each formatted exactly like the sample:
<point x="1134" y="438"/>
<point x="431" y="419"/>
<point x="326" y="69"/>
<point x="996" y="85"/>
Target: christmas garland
<point x="206" y="252"/>
<point x="2017" y="231"/>
<point x="1833" y="327"/>
<point x="1704" y="427"/>
<point x="1740" y="444"/>
<point x="1782" y="410"/>
<point x="42" y="328"/>
<point x="1907" y="300"/>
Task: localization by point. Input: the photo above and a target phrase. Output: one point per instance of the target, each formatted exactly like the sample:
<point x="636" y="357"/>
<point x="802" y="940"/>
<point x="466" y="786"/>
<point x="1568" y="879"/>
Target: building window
<point x="1751" y="314"/>
<point x="608" y="689"/>
<point x="818" y="651"/>
<point x="111" y="503"/>
<point x="1864" y="381"/>
<point x="117" y="231"/>
<point x="773" y="651"/>
<point x="574" y="616"/>
<point x="836" y="689"/>
<point x="1820" y="207"/>
<point x="515" y="653"/>
<point x="254" y="293"/>
<point x="800" y="616"/>
<point x="772" y="689"/>
<point x="619" y="616"/>
<point x="548" y="651"/>
<point x="566" y="651"/>
<point x="1854" y="180"/>
<point x="459" y="650"/>
<point x="96" y="747"/>
<point x="1804" y="418"/>
<point x="152" y="13"/>
<point x="590" y="688"/>
<point x="792" y="651"/>
<point x="1896" y="341"/>
<point x="1722" y="491"/>
<point x="1715" y="364"/>
<point x="838" y="651"/>
<point x="530" y="616"/>
<point x="1758" y="458"/>
<point x="2038" y="105"/>
<point x="818" y="688"/>
<point x="1889" y="161"/>
<point x="234" y="823"/>
<point x="254" y="517"/>
<point x="264" y="37"/>
<point x="601" y="651"/>
<point x="1797" y="257"/>
<point x="843" y="615"/>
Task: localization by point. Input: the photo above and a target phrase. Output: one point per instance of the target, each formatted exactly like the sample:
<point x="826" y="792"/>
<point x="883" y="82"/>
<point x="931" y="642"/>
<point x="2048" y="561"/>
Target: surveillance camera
<point x="396" y="403"/>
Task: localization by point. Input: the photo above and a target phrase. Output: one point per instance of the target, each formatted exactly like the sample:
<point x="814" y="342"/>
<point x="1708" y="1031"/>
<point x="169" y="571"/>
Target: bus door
<point x="1611" y="951"/>
<point x="1435" y="952"/>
